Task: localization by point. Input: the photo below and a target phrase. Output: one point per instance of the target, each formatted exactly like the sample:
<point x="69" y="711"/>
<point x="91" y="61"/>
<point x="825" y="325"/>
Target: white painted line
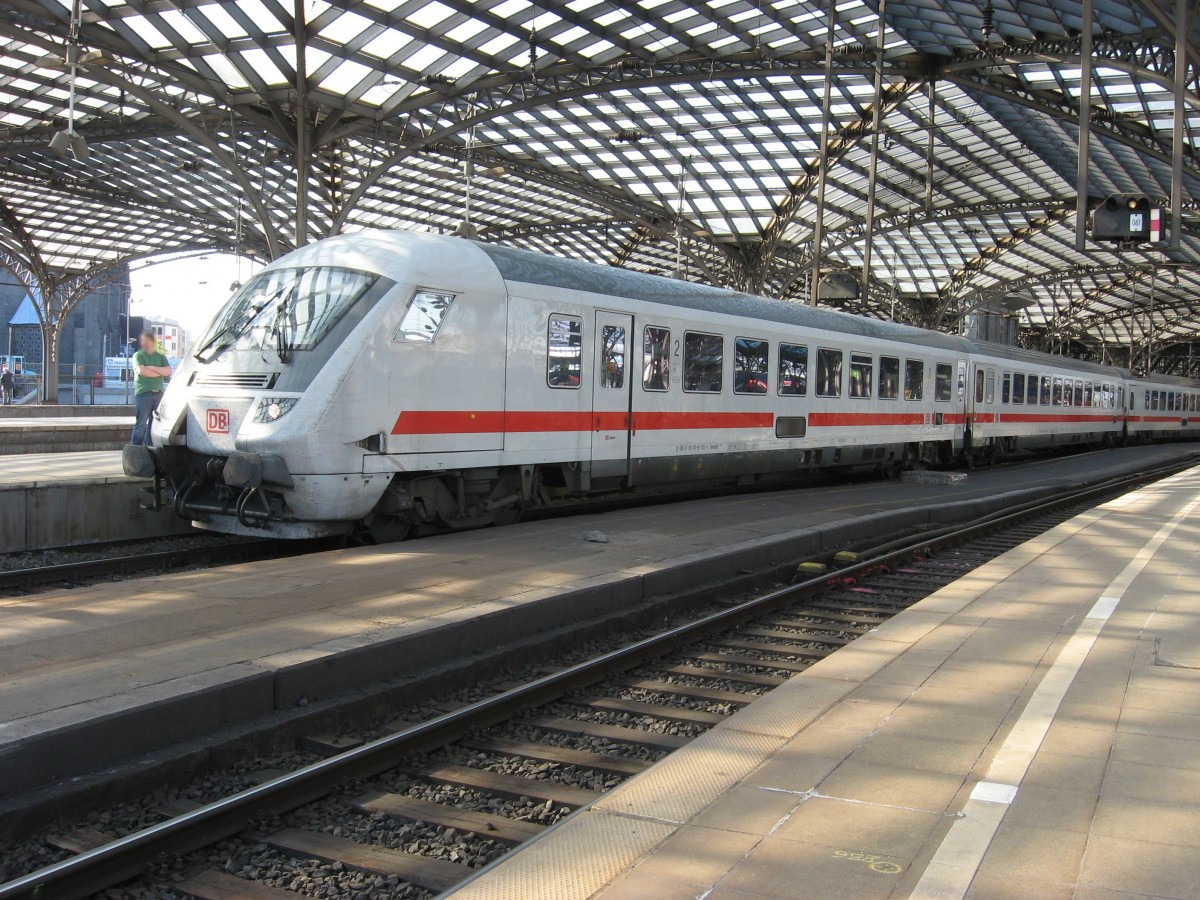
<point x="954" y="865"/>
<point x="1104" y="608"/>
<point x="991" y="792"/>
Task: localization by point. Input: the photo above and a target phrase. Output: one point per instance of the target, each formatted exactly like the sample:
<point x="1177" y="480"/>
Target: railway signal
<point x="1128" y="220"/>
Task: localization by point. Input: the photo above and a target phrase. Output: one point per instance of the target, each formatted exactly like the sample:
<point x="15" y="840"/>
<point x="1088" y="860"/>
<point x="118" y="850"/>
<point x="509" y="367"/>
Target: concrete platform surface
<point x="63" y="434"/>
<point x="54" y="469"/>
<point x="96" y="675"/>
<point x="1030" y="731"/>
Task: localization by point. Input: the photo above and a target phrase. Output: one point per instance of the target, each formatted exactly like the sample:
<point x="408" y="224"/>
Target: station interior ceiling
<point x="764" y="145"/>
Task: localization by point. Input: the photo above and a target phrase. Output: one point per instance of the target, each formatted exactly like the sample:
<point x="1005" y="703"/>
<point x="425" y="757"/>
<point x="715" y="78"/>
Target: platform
<point x="63" y="434"/>
<point x="67" y="499"/>
<point x="97" y="675"/>
<point x="1031" y="730"/>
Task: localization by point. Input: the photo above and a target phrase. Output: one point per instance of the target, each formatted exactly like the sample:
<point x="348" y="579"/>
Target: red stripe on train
<point x="1040" y="418"/>
<point x="851" y="420"/>
<point x="527" y="421"/>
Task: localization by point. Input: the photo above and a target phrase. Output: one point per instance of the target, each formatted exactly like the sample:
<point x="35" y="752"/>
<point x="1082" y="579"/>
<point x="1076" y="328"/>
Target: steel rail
<point x="126" y="857"/>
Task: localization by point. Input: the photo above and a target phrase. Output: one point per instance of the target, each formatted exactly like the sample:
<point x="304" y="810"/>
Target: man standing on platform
<point x="7" y="384"/>
<point x="150" y="367"/>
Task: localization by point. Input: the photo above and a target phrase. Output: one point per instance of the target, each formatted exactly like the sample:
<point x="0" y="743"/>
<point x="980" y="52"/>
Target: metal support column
<point x="1182" y="29"/>
<point x="823" y="161"/>
<point x="929" y="146"/>
<point x="1085" y="125"/>
<point x="300" y="34"/>
<point x="873" y="172"/>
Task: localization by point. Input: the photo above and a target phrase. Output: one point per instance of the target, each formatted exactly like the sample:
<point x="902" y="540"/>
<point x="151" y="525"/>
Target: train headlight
<point x="272" y="409"/>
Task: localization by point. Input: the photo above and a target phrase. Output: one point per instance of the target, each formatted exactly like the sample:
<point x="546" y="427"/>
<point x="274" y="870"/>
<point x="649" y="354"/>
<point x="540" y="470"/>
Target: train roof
<point x="1037" y="358"/>
<point x="552" y="271"/>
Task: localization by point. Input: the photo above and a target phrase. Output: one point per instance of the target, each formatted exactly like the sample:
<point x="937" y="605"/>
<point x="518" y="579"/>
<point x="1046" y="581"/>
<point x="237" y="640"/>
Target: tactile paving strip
<point x="689" y="779"/>
<point x="789" y="708"/>
<point x="858" y="661"/>
<point x="570" y="863"/>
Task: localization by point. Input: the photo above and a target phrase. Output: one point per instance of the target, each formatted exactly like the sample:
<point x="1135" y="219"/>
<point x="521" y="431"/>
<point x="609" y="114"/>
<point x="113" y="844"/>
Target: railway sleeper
<point x="716" y="695"/>
<point x="513" y="787"/>
<point x="748" y="678"/>
<point x="619" y="734"/>
<point x="679" y="714"/>
<point x="213" y="884"/>
<point x="779" y="665"/>
<point x="623" y="766"/>
<point x="435" y="875"/>
<point x="785" y="650"/>
<point x="414" y="809"/>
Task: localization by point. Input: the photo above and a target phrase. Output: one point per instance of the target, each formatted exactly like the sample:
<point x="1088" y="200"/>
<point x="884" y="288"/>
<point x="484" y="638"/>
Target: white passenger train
<point x="390" y="379"/>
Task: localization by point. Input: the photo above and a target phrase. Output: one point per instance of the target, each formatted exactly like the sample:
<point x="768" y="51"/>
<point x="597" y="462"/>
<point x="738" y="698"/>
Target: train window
<point x="989" y="395"/>
<point x="1087" y="395"/>
<point x="1078" y="393"/>
<point x="861" y="365"/>
<point x="1151" y="400"/>
<point x="703" y="359"/>
<point x="793" y="370"/>
<point x="1018" y="388"/>
<point x="1192" y="404"/>
<point x="889" y="377"/>
<point x="979" y="385"/>
<point x="424" y="316"/>
<point x="914" y="379"/>
<point x="656" y="353"/>
<point x="1006" y="388"/>
<point x="1067" y="388"/>
<point x="943" y="383"/>
<point x="564" y="351"/>
<point x="612" y="357"/>
<point x="751" y="359"/>
<point x="829" y="373"/>
<point x="1058" y="392"/>
<point x="1031" y="393"/>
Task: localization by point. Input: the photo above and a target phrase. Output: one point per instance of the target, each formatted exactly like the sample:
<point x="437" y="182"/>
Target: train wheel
<point x="380" y="530"/>
<point x="510" y="515"/>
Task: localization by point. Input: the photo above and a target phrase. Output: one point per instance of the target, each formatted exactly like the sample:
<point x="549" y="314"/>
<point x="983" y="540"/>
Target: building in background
<point x="171" y="336"/>
<point x="95" y="329"/>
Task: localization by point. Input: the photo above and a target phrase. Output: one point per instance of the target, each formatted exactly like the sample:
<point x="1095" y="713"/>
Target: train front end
<point x="248" y="438"/>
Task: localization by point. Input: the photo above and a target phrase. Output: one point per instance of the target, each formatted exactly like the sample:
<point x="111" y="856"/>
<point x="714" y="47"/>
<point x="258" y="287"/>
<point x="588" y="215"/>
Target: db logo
<point x="218" y="421"/>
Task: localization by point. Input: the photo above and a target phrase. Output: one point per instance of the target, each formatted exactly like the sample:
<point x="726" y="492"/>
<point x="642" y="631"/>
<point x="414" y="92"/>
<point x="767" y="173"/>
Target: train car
<point x="1162" y="407"/>
<point x="1020" y="399"/>
<point x="384" y="380"/>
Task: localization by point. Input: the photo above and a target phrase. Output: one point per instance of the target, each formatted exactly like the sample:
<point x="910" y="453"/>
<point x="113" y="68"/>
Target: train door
<point x="962" y="399"/>
<point x="611" y="395"/>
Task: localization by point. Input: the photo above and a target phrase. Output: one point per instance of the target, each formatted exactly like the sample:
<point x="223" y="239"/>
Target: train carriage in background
<point x="1162" y="407"/>
<point x="1025" y="400"/>
<point x="390" y="379"/>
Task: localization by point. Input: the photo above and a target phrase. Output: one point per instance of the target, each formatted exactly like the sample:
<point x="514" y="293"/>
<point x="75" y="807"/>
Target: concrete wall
<point x="68" y="514"/>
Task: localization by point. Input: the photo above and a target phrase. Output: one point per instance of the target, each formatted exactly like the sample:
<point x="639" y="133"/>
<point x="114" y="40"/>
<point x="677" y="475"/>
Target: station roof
<point x="652" y="134"/>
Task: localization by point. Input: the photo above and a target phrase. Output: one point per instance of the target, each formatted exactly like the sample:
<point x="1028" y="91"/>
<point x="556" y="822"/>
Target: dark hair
<point x="148" y="333"/>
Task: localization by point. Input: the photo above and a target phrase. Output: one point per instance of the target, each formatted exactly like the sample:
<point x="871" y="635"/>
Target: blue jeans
<point x="144" y="405"/>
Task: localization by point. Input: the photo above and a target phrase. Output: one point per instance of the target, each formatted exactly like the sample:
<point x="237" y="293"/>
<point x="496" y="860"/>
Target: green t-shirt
<point x="144" y="383"/>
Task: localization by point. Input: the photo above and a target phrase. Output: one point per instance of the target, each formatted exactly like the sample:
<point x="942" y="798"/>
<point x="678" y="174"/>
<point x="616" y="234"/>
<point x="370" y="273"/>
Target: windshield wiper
<point x="231" y="332"/>
<point x="200" y="351"/>
<point x="282" y="348"/>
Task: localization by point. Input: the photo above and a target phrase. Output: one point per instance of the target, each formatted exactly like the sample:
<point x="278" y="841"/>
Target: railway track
<point x="421" y="808"/>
